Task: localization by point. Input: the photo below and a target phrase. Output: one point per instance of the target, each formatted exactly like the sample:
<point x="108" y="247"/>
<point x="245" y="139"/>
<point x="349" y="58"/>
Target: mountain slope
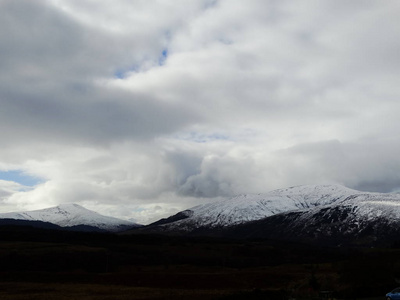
<point x="245" y="208"/>
<point x="328" y="214"/>
<point x="357" y="221"/>
<point x="68" y="215"/>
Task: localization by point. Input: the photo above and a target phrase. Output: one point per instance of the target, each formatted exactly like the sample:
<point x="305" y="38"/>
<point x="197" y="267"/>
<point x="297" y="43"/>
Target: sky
<point x="140" y="109"/>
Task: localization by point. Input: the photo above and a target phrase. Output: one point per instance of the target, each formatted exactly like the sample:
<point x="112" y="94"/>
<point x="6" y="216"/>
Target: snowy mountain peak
<point x="317" y="194"/>
<point x="70" y="214"/>
<point x="250" y="207"/>
<point x="69" y="206"/>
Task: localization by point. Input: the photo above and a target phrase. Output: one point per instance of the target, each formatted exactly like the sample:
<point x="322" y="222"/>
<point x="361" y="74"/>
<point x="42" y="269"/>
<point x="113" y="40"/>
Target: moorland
<point x="52" y="264"/>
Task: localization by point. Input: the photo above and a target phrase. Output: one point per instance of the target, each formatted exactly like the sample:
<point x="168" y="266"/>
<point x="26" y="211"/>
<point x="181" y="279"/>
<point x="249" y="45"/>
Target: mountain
<point x="73" y="216"/>
<point x="331" y="214"/>
<point x="364" y="219"/>
<point x="250" y="207"/>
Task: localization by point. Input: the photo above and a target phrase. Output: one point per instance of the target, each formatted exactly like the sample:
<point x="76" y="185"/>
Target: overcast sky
<point x="139" y="109"/>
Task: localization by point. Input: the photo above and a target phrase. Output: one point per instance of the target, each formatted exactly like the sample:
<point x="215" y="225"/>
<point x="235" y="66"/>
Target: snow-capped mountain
<point x="319" y="212"/>
<point x="68" y="215"/>
<point x="250" y="207"/>
<point x="363" y="219"/>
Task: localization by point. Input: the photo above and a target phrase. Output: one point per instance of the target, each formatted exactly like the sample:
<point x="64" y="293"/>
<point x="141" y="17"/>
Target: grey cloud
<point x="315" y="84"/>
<point x="39" y="41"/>
<point x="39" y="38"/>
<point x="48" y="89"/>
<point x="184" y="165"/>
<point x="89" y="118"/>
<point x="366" y="165"/>
<point x="8" y="188"/>
<point x="219" y="175"/>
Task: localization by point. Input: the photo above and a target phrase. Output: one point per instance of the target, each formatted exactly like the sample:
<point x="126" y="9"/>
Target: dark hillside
<point x="328" y="227"/>
<point x="51" y="261"/>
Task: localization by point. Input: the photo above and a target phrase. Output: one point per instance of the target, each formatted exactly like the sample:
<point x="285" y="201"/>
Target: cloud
<point x="369" y="165"/>
<point x="145" y="108"/>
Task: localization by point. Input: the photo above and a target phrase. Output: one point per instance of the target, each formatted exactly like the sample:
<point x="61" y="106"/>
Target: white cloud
<point x="140" y="109"/>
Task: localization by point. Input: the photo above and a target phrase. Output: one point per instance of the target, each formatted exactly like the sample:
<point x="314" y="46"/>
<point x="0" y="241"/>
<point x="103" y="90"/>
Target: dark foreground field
<point x="46" y="264"/>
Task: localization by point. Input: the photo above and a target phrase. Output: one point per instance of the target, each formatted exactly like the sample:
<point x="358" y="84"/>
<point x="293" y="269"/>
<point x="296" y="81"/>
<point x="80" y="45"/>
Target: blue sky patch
<point x="20" y="177"/>
<point x="122" y="73"/>
<point x="163" y="57"/>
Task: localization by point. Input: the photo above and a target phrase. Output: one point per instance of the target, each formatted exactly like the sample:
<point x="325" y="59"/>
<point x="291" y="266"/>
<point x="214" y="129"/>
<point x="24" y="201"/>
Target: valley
<point x="48" y="264"/>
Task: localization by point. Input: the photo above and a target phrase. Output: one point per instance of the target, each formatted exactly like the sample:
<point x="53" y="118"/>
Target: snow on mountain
<point x="67" y="215"/>
<point x="309" y="198"/>
<point x="362" y="219"/>
<point x="357" y="213"/>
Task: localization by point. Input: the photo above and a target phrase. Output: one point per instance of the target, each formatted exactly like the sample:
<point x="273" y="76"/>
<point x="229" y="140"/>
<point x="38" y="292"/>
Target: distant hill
<point x="72" y="216"/>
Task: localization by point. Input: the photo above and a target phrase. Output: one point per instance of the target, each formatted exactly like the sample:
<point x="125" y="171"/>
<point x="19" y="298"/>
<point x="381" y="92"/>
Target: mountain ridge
<point x="71" y="215"/>
<point x="330" y="214"/>
<point x="249" y="207"/>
